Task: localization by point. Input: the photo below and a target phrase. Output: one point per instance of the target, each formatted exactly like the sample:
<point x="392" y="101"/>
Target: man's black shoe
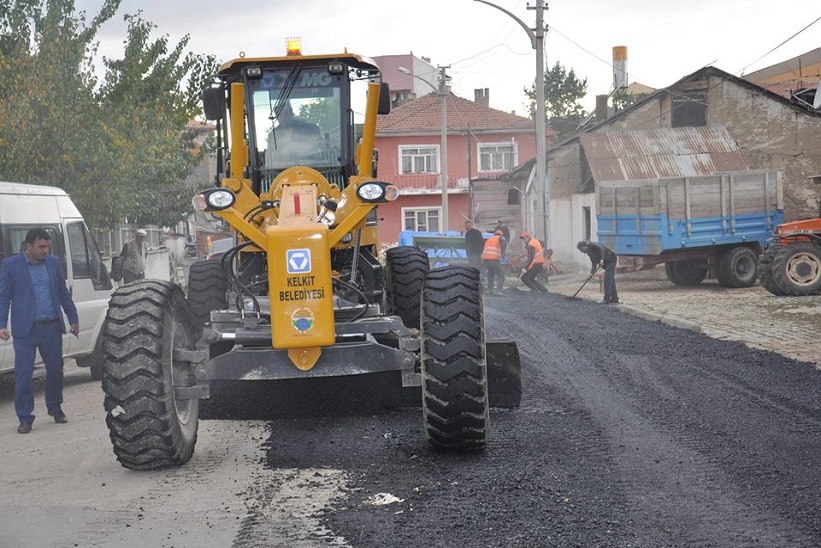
<point x="59" y="416"/>
<point x="24" y="428"/>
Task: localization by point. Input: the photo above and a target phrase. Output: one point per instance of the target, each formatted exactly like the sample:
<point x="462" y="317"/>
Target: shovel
<point x="515" y="288"/>
<point x="585" y="282"/>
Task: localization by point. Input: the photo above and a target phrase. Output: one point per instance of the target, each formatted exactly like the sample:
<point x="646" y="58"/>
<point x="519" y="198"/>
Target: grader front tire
<point x="149" y="428"/>
<point x="454" y="366"/>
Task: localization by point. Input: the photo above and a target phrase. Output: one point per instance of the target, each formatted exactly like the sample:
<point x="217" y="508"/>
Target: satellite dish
<point x="816" y="104"/>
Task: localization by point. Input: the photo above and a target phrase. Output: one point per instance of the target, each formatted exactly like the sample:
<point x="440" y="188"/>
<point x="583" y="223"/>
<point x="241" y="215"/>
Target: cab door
<point x="89" y="284"/>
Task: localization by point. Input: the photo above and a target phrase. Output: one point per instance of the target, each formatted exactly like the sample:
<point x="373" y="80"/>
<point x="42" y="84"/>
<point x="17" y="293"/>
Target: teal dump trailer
<point x="698" y="227"/>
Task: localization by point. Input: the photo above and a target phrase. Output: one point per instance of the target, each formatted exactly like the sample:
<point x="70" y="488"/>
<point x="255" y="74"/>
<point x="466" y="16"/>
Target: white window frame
<point x="482" y="151"/>
<point x="427" y="211"/>
<point x="434" y="154"/>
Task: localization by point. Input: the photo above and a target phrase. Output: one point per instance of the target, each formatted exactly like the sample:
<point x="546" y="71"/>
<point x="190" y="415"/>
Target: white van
<point x="23" y="207"/>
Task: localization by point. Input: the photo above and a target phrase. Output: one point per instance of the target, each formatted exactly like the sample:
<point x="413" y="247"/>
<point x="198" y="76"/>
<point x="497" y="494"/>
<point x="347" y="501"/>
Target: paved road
<point x="630" y="434"/>
<point x="787" y="325"/>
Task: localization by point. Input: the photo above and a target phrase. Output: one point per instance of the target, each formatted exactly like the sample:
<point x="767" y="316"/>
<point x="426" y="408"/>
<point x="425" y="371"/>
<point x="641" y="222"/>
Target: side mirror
<point x="105" y="278"/>
<point x="384" y="99"/>
<point x="213" y="100"/>
<point x="117" y="268"/>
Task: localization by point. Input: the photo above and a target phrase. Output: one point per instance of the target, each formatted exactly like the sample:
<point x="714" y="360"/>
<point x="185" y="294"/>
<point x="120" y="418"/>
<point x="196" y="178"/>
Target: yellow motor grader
<point x="304" y="294"/>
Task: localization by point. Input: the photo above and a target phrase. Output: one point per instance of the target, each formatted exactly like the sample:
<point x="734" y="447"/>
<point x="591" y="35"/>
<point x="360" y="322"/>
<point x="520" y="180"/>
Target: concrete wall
<point x="773" y="135"/>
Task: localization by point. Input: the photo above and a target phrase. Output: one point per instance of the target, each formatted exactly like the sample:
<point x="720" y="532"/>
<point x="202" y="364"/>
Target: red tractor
<point x="791" y="263"/>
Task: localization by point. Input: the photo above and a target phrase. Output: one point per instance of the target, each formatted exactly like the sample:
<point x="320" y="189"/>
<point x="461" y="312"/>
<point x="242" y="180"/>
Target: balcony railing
<point x="430" y="181"/>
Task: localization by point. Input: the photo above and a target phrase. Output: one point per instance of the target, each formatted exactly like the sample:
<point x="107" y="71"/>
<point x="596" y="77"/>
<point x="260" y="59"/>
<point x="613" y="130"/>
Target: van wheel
<point x="454" y="361"/>
<point x="148" y="426"/>
<point x="207" y="291"/>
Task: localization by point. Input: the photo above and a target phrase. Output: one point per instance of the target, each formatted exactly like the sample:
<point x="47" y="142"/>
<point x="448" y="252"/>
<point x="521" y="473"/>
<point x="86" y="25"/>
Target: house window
<point x="421" y="219"/>
<point x="419" y="159"/>
<point x="689" y="109"/>
<point x="497" y="156"/>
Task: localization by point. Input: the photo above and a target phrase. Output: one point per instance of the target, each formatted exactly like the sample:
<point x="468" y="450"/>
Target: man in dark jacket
<point x="602" y="256"/>
<point x="474" y="244"/>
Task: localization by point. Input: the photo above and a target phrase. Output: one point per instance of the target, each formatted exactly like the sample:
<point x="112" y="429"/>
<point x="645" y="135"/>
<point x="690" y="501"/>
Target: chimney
<point x="482" y="97"/>
<point x="619" y="67"/>
<point x="601" y="107"/>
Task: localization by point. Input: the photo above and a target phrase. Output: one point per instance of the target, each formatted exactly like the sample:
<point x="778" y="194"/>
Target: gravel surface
<point x="630" y="433"/>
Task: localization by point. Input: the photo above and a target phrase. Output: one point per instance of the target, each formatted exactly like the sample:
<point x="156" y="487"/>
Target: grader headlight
<point x="377" y="191"/>
<point x="214" y="200"/>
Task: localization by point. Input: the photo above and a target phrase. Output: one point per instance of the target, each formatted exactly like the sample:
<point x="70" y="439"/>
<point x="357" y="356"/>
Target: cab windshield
<point x="297" y="120"/>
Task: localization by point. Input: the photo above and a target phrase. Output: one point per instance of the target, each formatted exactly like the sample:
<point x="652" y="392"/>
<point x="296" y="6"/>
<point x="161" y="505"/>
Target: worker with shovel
<point x="492" y="259"/>
<point x="534" y="264"/>
<point x="602" y="256"/>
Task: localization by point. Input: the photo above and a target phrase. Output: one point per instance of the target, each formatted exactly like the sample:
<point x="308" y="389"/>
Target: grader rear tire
<point x="405" y="271"/>
<point x="454" y="360"/>
<point x="149" y="428"/>
<point x="207" y="290"/>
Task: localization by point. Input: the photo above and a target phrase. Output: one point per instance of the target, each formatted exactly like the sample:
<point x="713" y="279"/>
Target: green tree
<point x="562" y="92"/>
<point x="622" y="100"/>
<point x="119" y="147"/>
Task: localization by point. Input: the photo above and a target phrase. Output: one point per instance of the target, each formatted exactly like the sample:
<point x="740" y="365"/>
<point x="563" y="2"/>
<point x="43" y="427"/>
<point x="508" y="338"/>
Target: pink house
<point x="482" y="143"/>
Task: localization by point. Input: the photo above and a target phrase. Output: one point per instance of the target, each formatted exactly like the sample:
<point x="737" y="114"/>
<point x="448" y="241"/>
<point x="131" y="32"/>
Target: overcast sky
<point x="486" y="48"/>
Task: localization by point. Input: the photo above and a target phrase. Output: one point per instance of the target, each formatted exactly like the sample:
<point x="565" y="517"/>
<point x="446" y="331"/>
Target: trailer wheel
<point x="406" y="271"/>
<point x="207" y="291"/>
<point x="671" y="273"/>
<point x="454" y="360"/>
<point x="689" y="272"/>
<point x="797" y="269"/>
<point x="149" y="428"/>
<point x="765" y="272"/>
<point x="737" y="267"/>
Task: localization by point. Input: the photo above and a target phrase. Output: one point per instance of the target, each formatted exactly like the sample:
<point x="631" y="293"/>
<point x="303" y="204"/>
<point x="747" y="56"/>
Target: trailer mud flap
<point x="504" y="373"/>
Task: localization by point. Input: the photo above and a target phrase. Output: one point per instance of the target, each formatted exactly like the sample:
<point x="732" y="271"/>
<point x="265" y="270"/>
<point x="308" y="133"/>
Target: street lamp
<point x="536" y="36"/>
<point x="443" y="101"/>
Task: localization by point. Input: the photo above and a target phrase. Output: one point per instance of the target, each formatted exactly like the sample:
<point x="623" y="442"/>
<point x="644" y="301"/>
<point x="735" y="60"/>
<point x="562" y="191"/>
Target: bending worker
<point x="534" y="264"/>
<point x="602" y="256"/>
<point x="492" y="259"/>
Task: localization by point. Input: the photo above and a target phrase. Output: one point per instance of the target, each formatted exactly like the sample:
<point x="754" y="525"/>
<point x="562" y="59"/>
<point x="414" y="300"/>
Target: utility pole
<point x="443" y="100"/>
<point x="540" y="228"/>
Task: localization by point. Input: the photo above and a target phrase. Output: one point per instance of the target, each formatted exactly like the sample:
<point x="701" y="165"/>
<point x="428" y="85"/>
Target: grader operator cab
<point x="305" y="292"/>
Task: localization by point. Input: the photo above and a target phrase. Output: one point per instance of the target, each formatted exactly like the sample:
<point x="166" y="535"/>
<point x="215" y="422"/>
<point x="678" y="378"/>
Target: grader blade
<point x="504" y="373"/>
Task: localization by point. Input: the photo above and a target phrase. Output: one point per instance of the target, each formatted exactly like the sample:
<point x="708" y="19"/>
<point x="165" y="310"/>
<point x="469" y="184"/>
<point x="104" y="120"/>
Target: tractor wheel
<point x="149" y="428"/>
<point x="454" y="366"/>
<point x="765" y="271"/>
<point x="737" y="267"/>
<point x="207" y="291"/>
<point x="797" y="269"/>
<point x="406" y="270"/>
<point x="689" y="272"/>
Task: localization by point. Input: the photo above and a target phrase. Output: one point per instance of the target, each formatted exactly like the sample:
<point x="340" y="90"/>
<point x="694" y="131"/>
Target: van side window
<point x="85" y="257"/>
<point x="17" y="239"/>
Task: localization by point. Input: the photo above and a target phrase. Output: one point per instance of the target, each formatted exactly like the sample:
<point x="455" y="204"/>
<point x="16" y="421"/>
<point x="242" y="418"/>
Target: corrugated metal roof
<point x="656" y="153"/>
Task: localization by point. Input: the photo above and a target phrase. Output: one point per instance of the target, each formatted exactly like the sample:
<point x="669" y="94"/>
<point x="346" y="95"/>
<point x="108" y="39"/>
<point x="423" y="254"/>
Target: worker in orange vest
<point x="492" y="259"/>
<point x="534" y="264"/>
